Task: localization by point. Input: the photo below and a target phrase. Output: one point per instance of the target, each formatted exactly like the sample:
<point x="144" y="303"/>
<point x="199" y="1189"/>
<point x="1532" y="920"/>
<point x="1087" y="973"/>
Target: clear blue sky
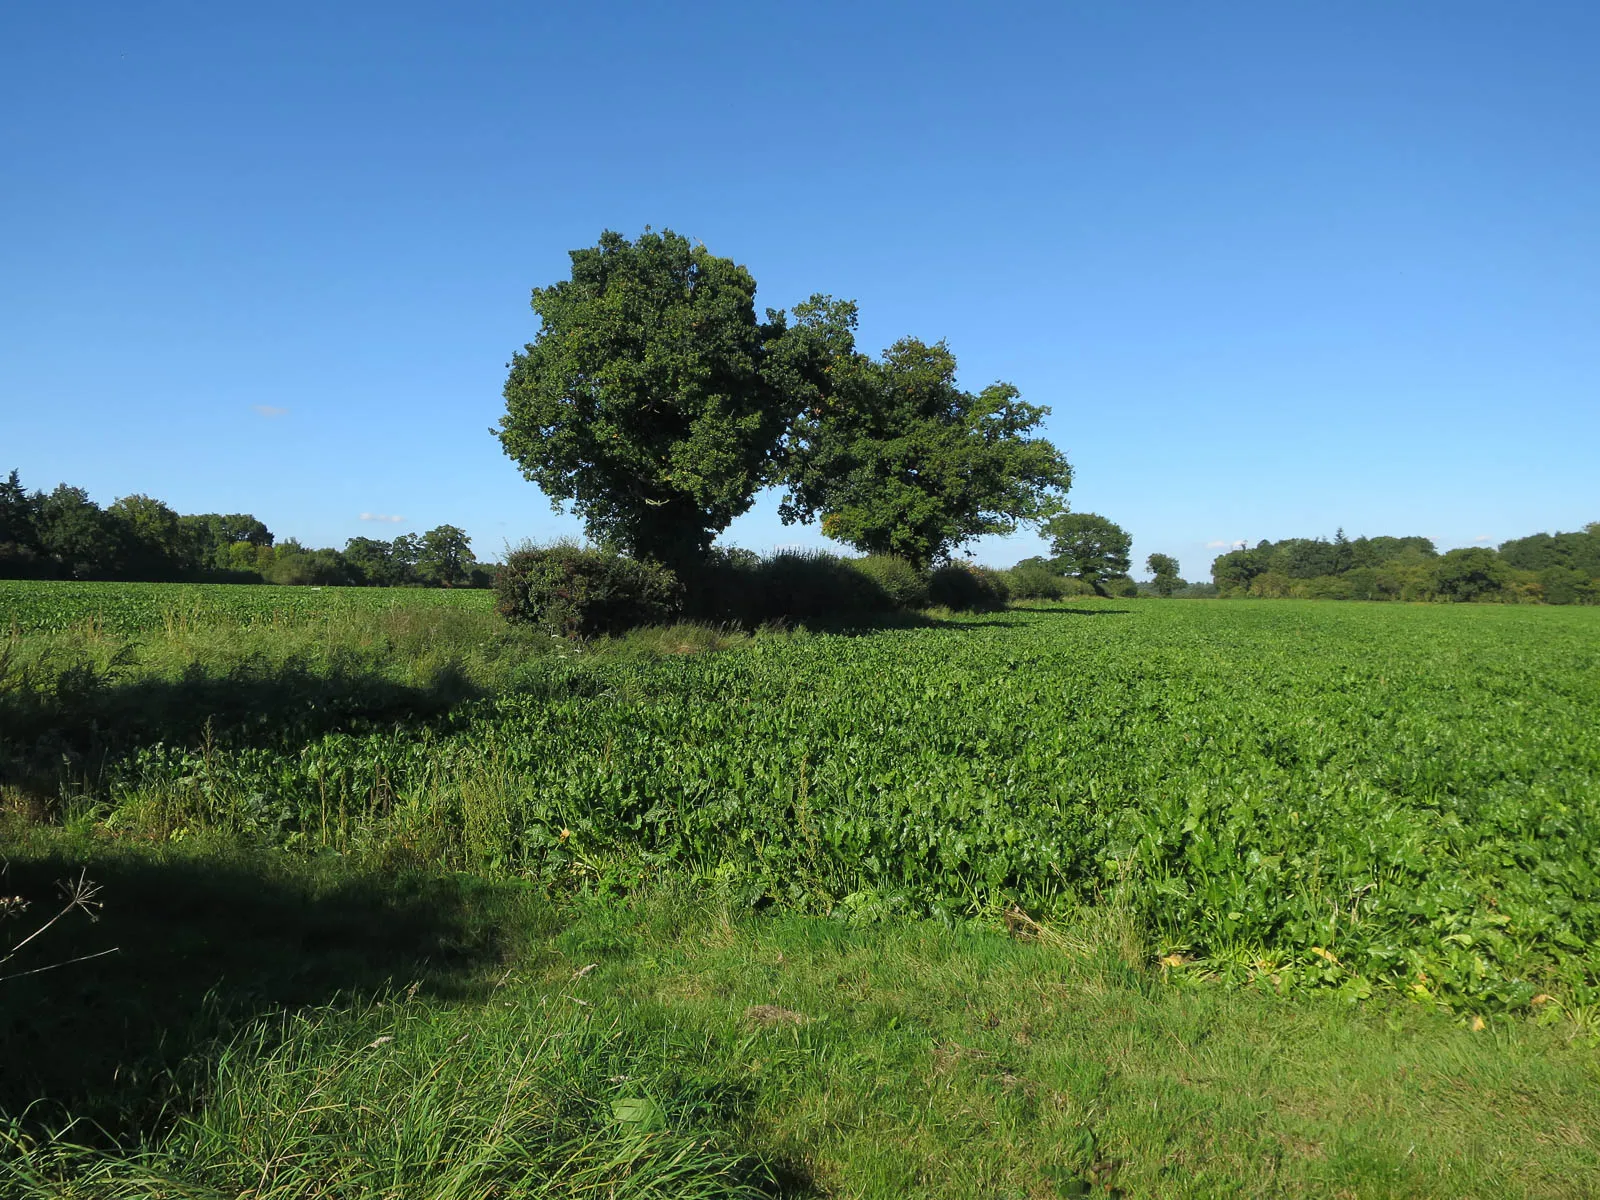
<point x="1277" y="268"/>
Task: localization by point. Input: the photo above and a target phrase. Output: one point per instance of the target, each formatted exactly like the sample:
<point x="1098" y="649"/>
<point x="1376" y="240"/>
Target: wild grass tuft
<point x="400" y="1098"/>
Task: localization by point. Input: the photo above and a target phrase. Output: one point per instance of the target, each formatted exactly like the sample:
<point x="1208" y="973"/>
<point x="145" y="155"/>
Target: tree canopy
<point x="1090" y="547"/>
<point x="444" y="556"/>
<point x="899" y="460"/>
<point x="652" y="398"/>
<point x="1165" y="569"/>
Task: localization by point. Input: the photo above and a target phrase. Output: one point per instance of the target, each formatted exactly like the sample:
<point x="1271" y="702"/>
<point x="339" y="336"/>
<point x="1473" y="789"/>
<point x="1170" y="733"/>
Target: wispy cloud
<point x="1220" y="545"/>
<point x="1482" y="537"/>
<point x="269" y="410"/>
<point x="391" y="518"/>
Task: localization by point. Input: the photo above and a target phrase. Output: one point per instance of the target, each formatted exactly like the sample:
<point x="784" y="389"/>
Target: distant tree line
<point x="1562" y="568"/>
<point x="63" y="534"/>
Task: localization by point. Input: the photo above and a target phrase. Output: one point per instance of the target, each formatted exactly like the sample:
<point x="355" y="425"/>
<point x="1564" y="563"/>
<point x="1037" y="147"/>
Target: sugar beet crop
<point x="1324" y="796"/>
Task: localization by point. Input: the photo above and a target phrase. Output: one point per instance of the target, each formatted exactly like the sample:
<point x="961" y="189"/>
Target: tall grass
<point x="663" y="1045"/>
<point x="403" y="1099"/>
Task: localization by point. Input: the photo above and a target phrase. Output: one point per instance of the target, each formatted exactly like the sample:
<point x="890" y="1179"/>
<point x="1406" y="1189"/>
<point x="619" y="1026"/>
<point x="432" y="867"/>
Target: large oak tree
<point x="1089" y="547"/>
<point x="652" y="398"/>
<point x="899" y="460"/>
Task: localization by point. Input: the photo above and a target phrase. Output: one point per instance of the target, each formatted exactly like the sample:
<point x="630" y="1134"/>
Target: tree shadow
<point x="84" y="724"/>
<point x="84" y="713"/>
<point x="199" y="946"/>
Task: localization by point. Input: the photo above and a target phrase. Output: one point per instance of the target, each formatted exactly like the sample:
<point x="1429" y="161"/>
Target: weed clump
<point x="961" y="588"/>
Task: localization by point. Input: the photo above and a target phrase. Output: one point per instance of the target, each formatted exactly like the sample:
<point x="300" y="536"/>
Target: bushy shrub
<point x="1271" y="585"/>
<point x="905" y="586"/>
<point x="1365" y="583"/>
<point x="1475" y="573"/>
<point x="574" y="591"/>
<point x="1328" y="587"/>
<point x="1565" y="586"/>
<point x="792" y="585"/>
<point x="967" y="589"/>
<point x="1035" y="579"/>
<point x="294" y="565"/>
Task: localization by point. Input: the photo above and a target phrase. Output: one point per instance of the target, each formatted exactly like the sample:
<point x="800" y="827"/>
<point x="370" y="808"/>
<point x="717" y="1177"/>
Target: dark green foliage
<point x="1390" y="562"/>
<point x="86" y="541"/>
<point x="232" y="542"/>
<point x="1565" y="585"/>
<point x="1375" y="552"/>
<point x="1555" y="569"/>
<point x="379" y="563"/>
<point x="296" y="565"/>
<point x="963" y="588"/>
<point x="905" y="586"/>
<point x="22" y="555"/>
<point x="444" y="557"/>
<point x="1089" y="547"/>
<point x="1165" y="569"/>
<point x="749" y="590"/>
<point x="65" y="535"/>
<point x="1306" y="558"/>
<point x="579" y="592"/>
<point x="900" y="461"/>
<point x="157" y="544"/>
<point x="1470" y="574"/>
<point x="1035" y="579"/>
<point x="19" y="514"/>
<point x="1575" y="551"/>
<point x="652" y="398"/>
<point x="1236" y="570"/>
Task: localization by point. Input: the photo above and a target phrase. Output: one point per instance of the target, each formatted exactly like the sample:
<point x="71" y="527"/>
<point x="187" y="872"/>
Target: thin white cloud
<point x="391" y="518"/>
<point x="269" y="410"/>
<point x="1483" y="537"/>
<point x="1220" y="545"/>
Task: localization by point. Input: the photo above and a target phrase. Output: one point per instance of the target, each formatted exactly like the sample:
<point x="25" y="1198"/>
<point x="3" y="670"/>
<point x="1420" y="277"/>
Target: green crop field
<point x="1384" y="808"/>
<point x="52" y="607"/>
<point x="1358" y="797"/>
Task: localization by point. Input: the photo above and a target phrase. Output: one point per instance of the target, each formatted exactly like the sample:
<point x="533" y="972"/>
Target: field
<point x="131" y="608"/>
<point x="1023" y="873"/>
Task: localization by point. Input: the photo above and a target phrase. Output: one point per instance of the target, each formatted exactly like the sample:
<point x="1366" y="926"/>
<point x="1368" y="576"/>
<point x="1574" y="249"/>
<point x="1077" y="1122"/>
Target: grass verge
<point x="444" y="1038"/>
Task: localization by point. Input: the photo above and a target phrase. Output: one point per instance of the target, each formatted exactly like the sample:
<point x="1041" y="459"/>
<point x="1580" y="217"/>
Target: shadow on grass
<point x="85" y="713"/>
<point x="200" y="946"/>
<point x="73" y="731"/>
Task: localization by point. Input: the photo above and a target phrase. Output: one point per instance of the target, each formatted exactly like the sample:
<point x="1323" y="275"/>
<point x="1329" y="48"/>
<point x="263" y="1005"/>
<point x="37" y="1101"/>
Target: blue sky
<point x="1276" y="268"/>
